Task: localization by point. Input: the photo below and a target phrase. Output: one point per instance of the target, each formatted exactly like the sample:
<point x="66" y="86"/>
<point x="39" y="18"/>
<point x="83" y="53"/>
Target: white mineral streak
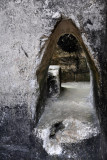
<point x="56" y="15"/>
<point x="50" y="146"/>
<point x="75" y="20"/>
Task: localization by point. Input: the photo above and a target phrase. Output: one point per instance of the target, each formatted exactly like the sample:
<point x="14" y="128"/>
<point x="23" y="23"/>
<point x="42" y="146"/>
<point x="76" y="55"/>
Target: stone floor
<point x="69" y="119"/>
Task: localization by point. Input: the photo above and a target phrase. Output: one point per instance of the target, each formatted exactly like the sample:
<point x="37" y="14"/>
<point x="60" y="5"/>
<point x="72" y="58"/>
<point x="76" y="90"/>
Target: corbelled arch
<point x="66" y="26"/>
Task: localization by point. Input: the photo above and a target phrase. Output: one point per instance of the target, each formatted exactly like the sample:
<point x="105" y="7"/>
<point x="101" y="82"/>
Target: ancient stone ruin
<point x="72" y="60"/>
<point x="53" y="80"/>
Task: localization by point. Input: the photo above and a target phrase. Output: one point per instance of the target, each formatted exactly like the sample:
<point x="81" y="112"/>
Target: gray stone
<point x="53" y="81"/>
<point x="26" y="28"/>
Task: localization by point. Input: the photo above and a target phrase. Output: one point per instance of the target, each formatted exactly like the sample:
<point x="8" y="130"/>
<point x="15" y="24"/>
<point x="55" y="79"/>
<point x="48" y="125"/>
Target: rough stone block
<point x="53" y="81"/>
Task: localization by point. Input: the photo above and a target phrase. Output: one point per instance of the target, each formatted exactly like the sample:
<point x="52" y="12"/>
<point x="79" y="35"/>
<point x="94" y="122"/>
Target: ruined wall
<point x="73" y="65"/>
<point x="25" y="26"/>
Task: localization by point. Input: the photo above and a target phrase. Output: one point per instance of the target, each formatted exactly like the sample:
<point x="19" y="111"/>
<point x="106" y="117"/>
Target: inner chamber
<point x="71" y="58"/>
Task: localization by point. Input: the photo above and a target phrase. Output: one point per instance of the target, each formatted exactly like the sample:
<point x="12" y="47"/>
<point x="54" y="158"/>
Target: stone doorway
<point x="66" y="119"/>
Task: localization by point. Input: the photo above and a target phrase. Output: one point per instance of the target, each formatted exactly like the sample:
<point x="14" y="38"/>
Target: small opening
<point x="68" y="43"/>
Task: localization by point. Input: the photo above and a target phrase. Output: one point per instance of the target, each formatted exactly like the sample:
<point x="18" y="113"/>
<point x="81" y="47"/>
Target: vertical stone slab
<point x="54" y="81"/>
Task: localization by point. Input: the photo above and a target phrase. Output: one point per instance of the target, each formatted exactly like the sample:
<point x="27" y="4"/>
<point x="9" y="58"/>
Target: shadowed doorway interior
<point x="69" y="117"/>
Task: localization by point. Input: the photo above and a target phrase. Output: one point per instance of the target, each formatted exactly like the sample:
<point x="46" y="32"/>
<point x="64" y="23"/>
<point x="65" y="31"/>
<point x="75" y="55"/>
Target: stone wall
<point x="73" y="65"/>
<point x="26" y="27"/>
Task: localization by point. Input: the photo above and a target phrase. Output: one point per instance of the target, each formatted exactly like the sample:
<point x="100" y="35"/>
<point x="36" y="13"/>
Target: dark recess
<point x="68" y="43"/>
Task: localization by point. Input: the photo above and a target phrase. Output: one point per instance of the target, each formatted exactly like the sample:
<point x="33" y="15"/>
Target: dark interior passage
<point x="71" y="58"/>
<point x="69" y="116"/>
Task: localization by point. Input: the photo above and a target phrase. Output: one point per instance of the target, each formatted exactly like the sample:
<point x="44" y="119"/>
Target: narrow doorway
<point x="69" y="116"/>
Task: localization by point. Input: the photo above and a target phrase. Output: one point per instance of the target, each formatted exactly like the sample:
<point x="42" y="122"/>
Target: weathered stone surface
<point x="72" y="65"/>
<point x="25" y="27"/>
<point x="69" y="121"/>
<point x="54" y="81"/>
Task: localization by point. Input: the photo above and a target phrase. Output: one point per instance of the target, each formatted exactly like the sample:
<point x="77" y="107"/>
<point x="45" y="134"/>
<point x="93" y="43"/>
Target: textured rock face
<point x="73" y="65"/>
<point x="25" y="27"/>
<point x="53" y="81"/>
